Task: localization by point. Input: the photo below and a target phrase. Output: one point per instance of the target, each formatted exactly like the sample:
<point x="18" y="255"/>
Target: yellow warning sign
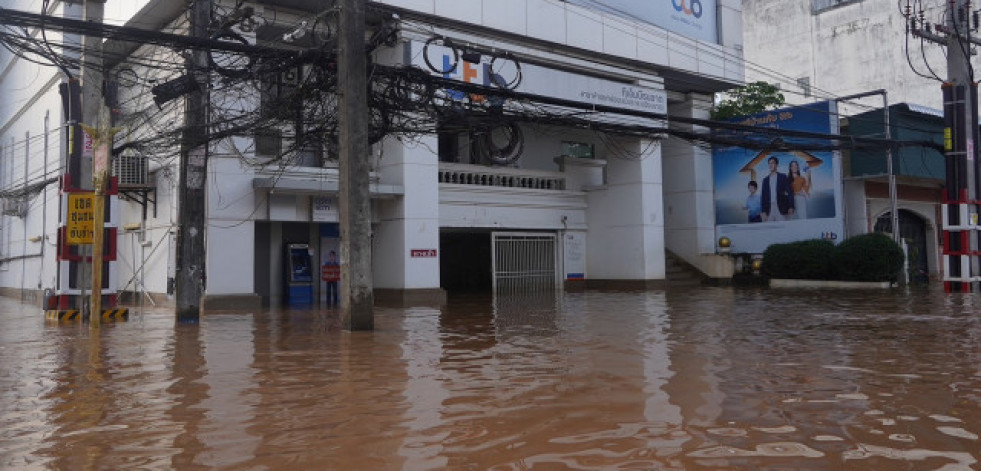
<point x="81" y="223"/>
<point x="948" y="140"/>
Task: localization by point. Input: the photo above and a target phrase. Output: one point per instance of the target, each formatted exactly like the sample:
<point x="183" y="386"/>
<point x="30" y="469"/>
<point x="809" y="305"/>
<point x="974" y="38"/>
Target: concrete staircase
<point x="679" y="273"/>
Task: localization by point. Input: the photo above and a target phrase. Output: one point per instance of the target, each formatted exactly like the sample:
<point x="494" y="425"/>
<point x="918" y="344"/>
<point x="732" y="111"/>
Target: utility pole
<point x="92" y="79"/>
<point x="357" y="297"/>
<point x="961" y="269"/>
<point x="190" y="275"/>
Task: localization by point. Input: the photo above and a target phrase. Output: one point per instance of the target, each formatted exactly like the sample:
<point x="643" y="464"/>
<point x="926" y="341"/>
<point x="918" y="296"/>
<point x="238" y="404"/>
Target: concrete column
<point x="856" y="212"/>
<point x="689" y="206"/>
<point x="410" y="222"/>
<point x="626" y="223"/>
<point x="231" y="285"/>
<point x="357" y="296"/>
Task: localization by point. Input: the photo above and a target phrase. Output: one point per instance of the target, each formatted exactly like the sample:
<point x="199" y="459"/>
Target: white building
<point x="825" y="49"/>
<point x="580" y="203"/>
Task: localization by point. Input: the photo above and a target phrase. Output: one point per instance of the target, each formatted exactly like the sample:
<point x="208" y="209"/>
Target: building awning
<point x="907" y="122"/>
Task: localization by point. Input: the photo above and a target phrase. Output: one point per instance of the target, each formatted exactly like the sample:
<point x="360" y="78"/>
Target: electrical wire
<point x="300" y="109"/>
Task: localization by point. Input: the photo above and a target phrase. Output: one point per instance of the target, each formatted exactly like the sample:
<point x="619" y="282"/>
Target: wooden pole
<point x="102" y="141"/>
<point x="92" y="105"/>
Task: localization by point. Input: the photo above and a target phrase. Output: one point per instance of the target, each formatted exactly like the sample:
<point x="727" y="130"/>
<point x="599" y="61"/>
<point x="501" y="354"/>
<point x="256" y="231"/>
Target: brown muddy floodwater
<point x="700" y="379"/>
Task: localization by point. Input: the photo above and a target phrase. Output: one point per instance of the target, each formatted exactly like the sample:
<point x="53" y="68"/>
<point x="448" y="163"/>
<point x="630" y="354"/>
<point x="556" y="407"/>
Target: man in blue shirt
<point x="778" y="197"/>
<point x="754" y="204"/>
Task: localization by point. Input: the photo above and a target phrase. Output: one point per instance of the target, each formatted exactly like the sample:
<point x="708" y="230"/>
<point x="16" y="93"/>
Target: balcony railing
<point x="500" y="177"/>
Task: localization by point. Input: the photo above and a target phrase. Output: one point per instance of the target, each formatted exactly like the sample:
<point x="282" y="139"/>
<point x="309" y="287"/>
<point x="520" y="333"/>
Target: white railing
<point x="327" y="173"/>
<point x="459" y="174"/>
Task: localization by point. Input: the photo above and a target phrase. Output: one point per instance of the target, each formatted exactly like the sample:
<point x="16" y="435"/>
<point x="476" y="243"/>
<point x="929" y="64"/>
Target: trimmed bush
<point x="868" y="257"/>
<point x="803" y="260"/>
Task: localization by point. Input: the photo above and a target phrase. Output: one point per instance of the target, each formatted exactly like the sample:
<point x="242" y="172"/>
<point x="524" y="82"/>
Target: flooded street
<point x="699" y="379"/>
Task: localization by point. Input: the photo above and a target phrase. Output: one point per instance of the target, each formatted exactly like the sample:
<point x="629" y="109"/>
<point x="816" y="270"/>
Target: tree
<point x="750" y="99"/>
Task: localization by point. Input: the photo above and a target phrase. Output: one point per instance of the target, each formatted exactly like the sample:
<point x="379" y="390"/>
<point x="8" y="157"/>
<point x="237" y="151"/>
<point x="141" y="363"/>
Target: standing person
<point x="777" y="194"/>
<point x="801" y="186"/>
<point x="754" y="205"/>
<point x="332" y="275"/>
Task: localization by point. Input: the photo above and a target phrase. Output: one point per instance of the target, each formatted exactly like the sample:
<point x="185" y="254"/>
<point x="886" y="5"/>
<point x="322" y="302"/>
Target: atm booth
<point x="299" y="275"/>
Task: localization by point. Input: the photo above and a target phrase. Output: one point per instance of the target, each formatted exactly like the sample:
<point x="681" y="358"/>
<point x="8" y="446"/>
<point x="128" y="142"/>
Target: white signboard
<point x="543" y="81"/>
<point x="574" y="244"/>
<point x="324" y="209"/>
<point x="693" y="18"/>
<point x="88" y="145"/>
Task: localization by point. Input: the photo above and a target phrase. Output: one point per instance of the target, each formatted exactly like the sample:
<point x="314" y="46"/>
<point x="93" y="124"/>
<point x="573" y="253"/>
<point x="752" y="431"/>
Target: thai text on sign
<point x="81" y="222"/>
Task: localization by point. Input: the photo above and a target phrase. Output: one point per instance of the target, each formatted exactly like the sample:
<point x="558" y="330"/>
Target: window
<point x="582" y="150"/>
<point x="283" y="108"/>
<point x="805" y="85"/>
<point x="822" y="5"/>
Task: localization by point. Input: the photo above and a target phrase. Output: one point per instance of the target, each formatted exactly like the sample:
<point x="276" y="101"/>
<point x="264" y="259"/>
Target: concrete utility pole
<point x="190" y="276"/>
<point x="92" y="102"/>
<point x="961" y="116"/>
<point x="960" y="138"/>
<point x="357" y="297"/>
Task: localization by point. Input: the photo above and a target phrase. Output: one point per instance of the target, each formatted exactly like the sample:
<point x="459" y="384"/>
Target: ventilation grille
<point x="131" y="171"/>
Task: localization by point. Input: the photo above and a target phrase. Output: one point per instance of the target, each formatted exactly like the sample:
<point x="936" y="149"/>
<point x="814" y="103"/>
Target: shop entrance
<point x="501" y="262"/>
<point x="912" y="228"/>
<point x="465" y="262"/>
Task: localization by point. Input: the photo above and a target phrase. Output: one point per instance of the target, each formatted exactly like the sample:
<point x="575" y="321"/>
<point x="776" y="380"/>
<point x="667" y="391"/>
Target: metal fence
<point x="524" y="262"/>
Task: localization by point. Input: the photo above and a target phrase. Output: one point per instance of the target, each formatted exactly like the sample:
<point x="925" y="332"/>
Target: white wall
<point x="575" y="26"/>
<point x="148" y="258"/>
<point x="853" y="48"/>
<point x="626" y="218"/>
<point x="856" y="208"/>
<point x="30" y="98"/>
<point x="689" y="203"/>
<point x="409" y="222"/>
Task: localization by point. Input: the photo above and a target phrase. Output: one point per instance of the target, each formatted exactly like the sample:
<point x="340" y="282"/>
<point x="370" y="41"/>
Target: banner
<point x="693" y="18"/>
<point x="768" y="197"/>
<point x="539" y="80"/>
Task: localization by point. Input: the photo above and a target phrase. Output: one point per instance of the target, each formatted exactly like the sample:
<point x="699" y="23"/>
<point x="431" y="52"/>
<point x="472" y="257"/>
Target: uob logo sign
<point x="682" y="6"/>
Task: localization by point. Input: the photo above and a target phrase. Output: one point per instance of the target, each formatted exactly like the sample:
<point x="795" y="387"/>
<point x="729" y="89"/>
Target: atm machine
<point x="299" y="275"/>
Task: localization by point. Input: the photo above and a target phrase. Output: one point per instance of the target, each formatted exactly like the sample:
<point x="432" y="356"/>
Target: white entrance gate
<point x="524" y="261"/>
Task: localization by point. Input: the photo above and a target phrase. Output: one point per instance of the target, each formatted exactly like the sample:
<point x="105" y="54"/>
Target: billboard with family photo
<point x="768" y="196"/>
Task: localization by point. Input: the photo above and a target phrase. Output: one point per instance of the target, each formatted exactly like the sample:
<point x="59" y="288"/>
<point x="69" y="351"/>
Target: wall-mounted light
<point x="35" y="239"/>
<point x="725" y="245"/>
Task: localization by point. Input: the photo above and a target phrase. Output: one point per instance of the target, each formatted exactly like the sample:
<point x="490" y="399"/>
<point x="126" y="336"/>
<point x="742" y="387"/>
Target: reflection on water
<point x="707" y="378"/>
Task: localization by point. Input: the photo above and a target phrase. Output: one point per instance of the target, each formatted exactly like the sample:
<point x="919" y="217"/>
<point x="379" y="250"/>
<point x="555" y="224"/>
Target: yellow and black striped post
<point x="73" y="315"/>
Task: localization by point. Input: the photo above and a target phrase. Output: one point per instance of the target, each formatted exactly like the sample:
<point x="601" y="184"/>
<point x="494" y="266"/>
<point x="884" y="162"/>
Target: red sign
<point x="330" y="273"/>
<point x="427" y="253"/>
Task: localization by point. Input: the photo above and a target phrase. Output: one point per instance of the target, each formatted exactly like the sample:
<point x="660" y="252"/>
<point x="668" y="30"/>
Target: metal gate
<point x="524" y="261"/>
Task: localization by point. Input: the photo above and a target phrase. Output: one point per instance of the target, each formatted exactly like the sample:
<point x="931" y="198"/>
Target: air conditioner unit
<point x="131" y="171"/>
<point x="14" y="207"/>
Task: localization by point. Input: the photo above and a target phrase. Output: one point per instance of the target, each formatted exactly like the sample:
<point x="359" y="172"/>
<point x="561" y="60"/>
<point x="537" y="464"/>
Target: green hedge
<point x="867" y="257"/>
<point x="805" y="260"/>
